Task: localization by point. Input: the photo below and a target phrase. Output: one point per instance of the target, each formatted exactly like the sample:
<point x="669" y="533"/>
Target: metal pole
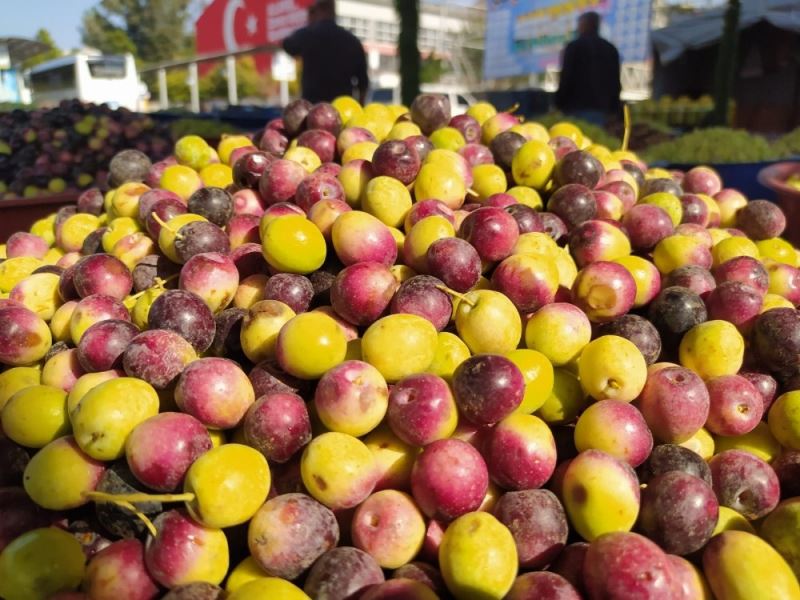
<point x="284" y="93"/>
<point x="194" y="88"/>
<point x="163" y="97"/>
<point x="230" y="73"/>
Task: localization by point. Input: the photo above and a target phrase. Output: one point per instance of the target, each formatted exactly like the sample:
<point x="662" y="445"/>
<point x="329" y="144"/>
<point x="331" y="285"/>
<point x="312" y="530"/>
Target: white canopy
<point x="703" y="29"/>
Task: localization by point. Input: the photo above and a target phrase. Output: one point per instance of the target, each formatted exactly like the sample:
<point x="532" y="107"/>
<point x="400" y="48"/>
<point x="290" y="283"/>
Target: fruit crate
<point x="774" y="178"/>
<point x="18" y="214"/>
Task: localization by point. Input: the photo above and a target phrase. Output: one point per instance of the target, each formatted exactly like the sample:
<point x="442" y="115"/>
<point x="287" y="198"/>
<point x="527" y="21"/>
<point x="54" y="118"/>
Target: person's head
<point x="323" y="9"/>
<point x="589" y="22"/>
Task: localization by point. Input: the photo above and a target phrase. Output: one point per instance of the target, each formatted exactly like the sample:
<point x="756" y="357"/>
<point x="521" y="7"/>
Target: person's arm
<point x="362" y="75"/>
<point x="294" y="43"/>
<point x="565" y="77"/>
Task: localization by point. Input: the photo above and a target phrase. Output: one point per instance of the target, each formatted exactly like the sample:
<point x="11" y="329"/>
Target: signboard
<point x="228" y="25"/>
<point x="527" y="36"/>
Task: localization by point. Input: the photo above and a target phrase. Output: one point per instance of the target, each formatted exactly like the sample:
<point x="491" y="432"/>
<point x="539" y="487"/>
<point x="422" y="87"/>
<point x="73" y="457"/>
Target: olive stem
<point x="472" y="192"/>
<point x="626" y="135"/>
<point x="512" y="109"/>
<point x="163" y="224"/>
<point x="456" y="294"/>
<point x="138" y="295"/>
<point x="140" y="515"/>
<point x="159" y="284"/>
<point x="127" y="500"/>
<point x="140" y="497"/>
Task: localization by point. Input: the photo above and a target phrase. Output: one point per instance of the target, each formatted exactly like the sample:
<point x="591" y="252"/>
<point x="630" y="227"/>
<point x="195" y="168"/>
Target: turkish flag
<point x="228" y="25"/>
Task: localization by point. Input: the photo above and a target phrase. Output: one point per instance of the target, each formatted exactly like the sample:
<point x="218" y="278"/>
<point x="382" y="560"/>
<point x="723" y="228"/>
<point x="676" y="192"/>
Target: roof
<point x="69" y="59"/>
<point x="703" y="29"/>
<point x="20" y="49"/>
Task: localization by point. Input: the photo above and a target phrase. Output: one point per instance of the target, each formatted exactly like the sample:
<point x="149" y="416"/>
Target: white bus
<point x="89" y="78"/>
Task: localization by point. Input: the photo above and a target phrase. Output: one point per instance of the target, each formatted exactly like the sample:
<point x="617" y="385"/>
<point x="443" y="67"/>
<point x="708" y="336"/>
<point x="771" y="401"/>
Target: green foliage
<point x="249" y="82"/>
<point x="432" y="69"/>
<point x="214" y="85"/>
<point x="9" y="106"/>
<point x="44" y="37"/>
<point x="205" y="128"/>
<point x="177" y="86"/>
<point x="153" y="30"/>
<point x="789" y="145"/>
<point x="714" y="145"/>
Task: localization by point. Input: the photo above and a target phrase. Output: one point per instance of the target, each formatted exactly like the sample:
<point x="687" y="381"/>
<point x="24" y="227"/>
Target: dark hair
<point x="325" y="6"/>
<point x="591" y="20"/>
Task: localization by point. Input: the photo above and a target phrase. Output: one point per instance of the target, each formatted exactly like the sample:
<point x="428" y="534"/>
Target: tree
<point x="431" y="69"/>
<point x="214" y="84"/>
<point x="408" y="49"/>
<point x="249" y="82"/>
<point x="725" y="74"/>
<point x="44" y="37"/>
<point x="152" y="30"/>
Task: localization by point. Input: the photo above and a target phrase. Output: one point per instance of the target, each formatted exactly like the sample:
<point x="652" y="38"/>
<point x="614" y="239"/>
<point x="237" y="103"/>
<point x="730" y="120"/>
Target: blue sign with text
<point x="527" y="36"/>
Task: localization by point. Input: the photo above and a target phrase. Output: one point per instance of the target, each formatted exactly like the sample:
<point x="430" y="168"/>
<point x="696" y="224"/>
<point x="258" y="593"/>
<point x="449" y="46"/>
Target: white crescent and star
<point x="252" y="24"/>
<point x="228" y="24"/>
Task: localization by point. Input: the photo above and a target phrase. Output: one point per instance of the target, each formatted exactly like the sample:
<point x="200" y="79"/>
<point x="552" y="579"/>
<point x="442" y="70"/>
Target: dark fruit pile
<point x="69" y="147"/>
<point x="383" y="353"/>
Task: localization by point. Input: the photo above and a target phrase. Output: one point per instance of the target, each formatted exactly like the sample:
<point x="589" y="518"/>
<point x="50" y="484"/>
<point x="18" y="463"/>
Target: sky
<point x="61" y="17"/>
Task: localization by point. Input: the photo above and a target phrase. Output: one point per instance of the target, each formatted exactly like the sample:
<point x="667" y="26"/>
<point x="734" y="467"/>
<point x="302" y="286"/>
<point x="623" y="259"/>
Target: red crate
<point x="774" y="178"/>
<point x="20" y="213"/>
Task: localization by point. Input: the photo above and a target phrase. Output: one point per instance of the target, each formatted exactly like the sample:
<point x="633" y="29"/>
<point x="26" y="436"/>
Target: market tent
<point x="697" y="31"/>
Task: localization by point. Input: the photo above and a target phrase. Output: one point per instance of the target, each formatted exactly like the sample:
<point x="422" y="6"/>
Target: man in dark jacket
<point x="589" y="85"/>
<point x="334" y="62"/>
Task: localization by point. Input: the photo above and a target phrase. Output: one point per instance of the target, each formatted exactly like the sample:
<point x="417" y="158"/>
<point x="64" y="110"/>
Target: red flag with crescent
<point x="228" y="25"/>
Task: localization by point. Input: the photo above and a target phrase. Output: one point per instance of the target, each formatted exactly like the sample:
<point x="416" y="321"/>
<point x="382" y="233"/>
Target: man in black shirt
<point x="334" y="62"/>
<point x="589" y="85"/>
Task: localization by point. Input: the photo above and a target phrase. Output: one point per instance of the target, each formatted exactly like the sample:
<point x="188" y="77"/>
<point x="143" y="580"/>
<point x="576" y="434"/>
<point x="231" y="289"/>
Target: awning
<point x="19" y="49"/>
<point x="703" y="29"/>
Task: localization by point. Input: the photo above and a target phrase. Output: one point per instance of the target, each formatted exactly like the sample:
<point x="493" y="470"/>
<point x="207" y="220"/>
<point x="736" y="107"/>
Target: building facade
<point x="443" y="31"/>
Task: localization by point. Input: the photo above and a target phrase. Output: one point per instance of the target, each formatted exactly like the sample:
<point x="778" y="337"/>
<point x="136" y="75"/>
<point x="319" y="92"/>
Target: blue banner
<point x="9" y="86"/>
<point x="527" y="36"/>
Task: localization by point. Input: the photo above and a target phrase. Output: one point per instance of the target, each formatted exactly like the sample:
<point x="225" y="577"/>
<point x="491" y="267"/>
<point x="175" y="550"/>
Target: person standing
<point x="589" y="86"/>
<point x="334" y="61"/>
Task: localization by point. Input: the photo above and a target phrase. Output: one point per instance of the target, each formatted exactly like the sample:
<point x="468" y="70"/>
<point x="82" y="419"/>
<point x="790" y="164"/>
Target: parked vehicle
<point x="110" y="79"/>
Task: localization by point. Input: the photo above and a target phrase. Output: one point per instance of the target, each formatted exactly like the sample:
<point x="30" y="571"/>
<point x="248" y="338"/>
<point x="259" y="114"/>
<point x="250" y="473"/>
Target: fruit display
<point x="682" y="111"/>
<point x="714" y="145"/>
<point x="644" y="133"/>
<point x="788" y="145"/>
<point x="68" y="148"/>
<point x="205" y="128"/>
<point x="598" y="134"/>
<point x="378" y="352"/>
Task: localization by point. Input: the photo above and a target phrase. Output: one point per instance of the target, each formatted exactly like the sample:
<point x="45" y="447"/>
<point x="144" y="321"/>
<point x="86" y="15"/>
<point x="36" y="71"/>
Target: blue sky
<point x="61" y="17"/>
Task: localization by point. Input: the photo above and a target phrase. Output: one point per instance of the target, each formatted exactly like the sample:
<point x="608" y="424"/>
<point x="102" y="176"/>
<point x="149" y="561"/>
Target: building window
<point x="386" y="32"/>
<point x="356" y="26"/>
<point x="428" y="38"/>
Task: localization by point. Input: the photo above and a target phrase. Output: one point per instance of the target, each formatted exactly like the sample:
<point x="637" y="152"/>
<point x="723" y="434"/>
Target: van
<point x="88" y="77"/>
